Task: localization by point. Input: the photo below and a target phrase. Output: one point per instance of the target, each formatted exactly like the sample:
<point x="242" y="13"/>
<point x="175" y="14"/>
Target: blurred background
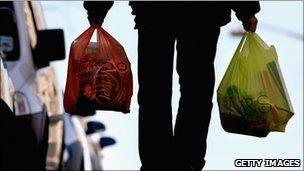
<point x="280" y="24"/>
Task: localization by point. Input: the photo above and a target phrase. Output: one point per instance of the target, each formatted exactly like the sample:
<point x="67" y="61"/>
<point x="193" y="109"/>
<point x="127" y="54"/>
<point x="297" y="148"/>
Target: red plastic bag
<point x="99" y="75"/>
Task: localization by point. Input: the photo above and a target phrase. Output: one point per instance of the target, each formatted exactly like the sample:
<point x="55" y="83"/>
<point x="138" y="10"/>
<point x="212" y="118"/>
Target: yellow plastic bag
<point x="252" y="96"/>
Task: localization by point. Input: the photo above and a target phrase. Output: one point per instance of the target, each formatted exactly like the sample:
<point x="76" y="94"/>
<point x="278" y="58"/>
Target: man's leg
<point x="155" y="67"/>
<point x="195" y="55"/>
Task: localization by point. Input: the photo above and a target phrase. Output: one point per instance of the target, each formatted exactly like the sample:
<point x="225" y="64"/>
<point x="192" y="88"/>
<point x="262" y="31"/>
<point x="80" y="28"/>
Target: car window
<point x="8" y="4"/>
<point x="9" y="38"/>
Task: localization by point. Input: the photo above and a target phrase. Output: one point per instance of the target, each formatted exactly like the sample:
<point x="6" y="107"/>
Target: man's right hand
<point x="97" y="11"/>
<point x="94" y="22"/>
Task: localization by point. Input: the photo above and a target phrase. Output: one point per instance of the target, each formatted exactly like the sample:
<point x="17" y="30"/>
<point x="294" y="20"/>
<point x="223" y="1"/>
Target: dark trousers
<point x="184" y="147"/>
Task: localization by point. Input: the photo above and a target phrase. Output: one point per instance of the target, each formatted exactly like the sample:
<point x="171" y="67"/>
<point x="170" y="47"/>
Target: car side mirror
<point x="106" y="141"/>
<point x="50" y="47"/>
<point x="95" y="126"/>
<point x="9" y="39"/>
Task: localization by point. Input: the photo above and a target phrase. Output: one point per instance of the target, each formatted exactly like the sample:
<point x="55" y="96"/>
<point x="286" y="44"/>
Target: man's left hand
<point x="251" y="24"/>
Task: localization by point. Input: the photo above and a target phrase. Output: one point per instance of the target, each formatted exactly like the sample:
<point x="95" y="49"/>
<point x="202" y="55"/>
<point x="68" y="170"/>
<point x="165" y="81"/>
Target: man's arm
<point x="245" y="11"/>
<point x="97" y="10"/>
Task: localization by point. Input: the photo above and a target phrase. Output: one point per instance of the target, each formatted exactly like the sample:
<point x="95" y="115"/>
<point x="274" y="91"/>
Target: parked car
<point x="36" y="133"/>
<point x="33" y="119"/>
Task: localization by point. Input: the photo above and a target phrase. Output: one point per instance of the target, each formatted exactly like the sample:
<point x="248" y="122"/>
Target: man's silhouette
<point x="194" y="27"/>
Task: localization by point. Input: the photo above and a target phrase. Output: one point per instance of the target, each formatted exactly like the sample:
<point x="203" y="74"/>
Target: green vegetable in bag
<point x="252" y="95"/>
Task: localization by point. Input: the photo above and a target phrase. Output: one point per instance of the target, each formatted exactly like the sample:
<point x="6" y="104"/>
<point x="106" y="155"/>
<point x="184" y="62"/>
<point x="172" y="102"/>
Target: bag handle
<point x="104" y="40"/>
<point x="81" y="42"/>
<point x="242" y="42"/>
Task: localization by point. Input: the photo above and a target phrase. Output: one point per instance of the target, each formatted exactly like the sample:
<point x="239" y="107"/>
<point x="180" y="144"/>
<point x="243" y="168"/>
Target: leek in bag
<point x="252" y="96"/>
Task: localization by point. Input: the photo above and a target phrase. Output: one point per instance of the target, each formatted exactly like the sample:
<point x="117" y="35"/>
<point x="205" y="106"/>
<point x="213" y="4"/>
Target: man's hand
<point x="94" y="22"/>
<point x="97" y="11"/>
<point x="250" y="24"/>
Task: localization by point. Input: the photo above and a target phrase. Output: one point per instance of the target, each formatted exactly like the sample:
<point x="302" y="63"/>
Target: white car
<point x="35" y="130"/>
<point x="31" y="126"/>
